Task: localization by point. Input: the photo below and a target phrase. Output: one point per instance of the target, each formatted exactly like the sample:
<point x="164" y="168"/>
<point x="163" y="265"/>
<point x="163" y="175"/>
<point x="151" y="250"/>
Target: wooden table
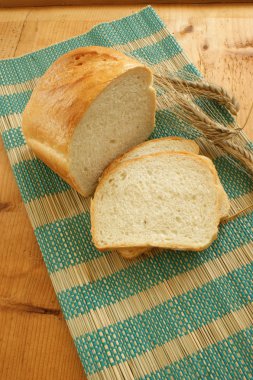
<point x="34" y="339"/>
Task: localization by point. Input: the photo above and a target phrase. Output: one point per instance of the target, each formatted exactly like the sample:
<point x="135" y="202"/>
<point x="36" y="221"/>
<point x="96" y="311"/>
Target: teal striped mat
<point x="169" y="315"/>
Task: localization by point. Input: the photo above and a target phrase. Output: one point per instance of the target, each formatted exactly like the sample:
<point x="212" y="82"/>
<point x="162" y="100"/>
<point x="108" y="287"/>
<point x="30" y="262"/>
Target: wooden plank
<point x="35" y="342"/>
<point x="36" y="346"/>
<point x="46" y="3"/>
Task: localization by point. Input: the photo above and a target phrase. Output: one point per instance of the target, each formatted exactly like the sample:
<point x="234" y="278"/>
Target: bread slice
<point x="92" y="105"/>
<point x="163" y="145"/>
<point x="167" y="199"/>
<point x="171" y="144"/>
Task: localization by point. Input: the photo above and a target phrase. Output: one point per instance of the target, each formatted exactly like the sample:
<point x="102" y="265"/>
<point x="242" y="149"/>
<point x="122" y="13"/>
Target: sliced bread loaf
<point x="167" y="199"/>
<point x="93" y="104"/>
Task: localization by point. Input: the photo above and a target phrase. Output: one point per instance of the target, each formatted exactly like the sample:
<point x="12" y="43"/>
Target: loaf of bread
<point x="167" y="199"/>
<point x="92" y="105"/>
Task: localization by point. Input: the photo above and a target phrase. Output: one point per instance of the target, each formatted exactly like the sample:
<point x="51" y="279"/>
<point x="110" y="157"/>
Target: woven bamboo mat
<point x="177" y="315"/>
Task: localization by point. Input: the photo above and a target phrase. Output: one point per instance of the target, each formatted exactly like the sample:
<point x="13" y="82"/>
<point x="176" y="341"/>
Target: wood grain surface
<point x="34" y="340"/>
<point x="44" y="3"/>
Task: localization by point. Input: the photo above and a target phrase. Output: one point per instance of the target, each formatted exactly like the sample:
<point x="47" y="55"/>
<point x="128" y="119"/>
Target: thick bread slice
<point x="162" y="145"/>
<point x="170" y="144"/>
<point x="167" y="199"/>
<point x="93" y="104"/>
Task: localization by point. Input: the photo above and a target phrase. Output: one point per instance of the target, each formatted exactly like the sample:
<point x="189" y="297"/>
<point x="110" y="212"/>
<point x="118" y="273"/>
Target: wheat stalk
<point x="209" y="90"/>
<point x="180" y="95"/>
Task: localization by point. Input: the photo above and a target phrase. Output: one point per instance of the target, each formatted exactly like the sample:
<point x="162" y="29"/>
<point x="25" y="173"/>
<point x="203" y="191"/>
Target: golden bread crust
<point x="62" y="96"/>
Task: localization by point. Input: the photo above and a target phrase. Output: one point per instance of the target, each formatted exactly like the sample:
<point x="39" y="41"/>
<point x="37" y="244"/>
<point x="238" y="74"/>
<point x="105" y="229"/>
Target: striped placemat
<point x="169" y="315"/>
